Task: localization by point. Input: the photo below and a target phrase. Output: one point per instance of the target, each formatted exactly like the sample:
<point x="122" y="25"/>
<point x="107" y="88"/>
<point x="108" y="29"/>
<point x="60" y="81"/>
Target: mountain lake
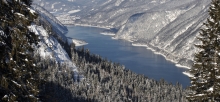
<point x="138" y="59"/>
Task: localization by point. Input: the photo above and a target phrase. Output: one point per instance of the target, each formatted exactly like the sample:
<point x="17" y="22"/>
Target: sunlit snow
<point x="49" y="47"/>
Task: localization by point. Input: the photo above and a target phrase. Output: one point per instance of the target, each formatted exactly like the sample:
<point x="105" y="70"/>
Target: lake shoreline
<point x="128" y="58"/>
<point x="137" y="45"/>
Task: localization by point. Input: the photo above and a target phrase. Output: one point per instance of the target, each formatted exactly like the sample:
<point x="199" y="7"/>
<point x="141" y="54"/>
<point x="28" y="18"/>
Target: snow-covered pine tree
<point x="18" y="74"/>
<point x="27" y="2"/>
<point x="206" y="68"/>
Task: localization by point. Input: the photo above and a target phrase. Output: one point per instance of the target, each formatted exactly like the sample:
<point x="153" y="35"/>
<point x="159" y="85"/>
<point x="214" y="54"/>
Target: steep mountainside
<point x="169" y="27"/>
<point x="38" y="64"/>
<point x="53" y="42"/>
<point x="31" y="41"/>
<point x="169" y="31"/>
<point x="18" y="71"/>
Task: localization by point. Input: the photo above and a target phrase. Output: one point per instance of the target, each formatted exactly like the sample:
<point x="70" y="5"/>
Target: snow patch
<point x="105" y="33"/>
<point x="142" y="45"/>
<point x="77" y="42"/>
<point x="200" y="94"/>
<point x="188" y="74"/>
<point x="74" y="11"/>
<point x="31" y="10"/>
<point x="210" y="89"/>
<point x="16" y="83"/>
<point x="179" y="65"/>
<point x="19" y="14"/>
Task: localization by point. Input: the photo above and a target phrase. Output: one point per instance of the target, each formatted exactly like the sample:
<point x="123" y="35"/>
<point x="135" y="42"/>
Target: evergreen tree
<point x="27" y="2"/>
<point x="18" y="73"/>
<point x="206" y="68"/>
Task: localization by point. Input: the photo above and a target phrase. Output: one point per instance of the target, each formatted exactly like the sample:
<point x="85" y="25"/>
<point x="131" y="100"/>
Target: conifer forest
<point x="26" y="76"/>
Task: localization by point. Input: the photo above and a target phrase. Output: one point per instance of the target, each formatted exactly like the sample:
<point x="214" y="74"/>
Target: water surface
<point x="137" y="59"/>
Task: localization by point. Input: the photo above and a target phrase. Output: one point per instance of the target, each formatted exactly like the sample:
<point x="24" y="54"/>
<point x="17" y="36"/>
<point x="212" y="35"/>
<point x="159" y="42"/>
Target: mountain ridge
<point x="163" y="25"/>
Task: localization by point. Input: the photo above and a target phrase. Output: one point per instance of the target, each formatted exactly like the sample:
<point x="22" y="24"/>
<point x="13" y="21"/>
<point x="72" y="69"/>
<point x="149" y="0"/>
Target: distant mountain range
<point x="168" y="27"/>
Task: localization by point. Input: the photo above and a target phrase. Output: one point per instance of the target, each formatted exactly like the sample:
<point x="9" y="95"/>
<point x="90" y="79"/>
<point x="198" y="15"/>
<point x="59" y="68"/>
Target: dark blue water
<point x="137" y="59"/>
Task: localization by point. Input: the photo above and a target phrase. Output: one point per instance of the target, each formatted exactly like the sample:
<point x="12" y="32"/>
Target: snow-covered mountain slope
<point x="49" y="19"/>
<point x="52" y="35"/>
<point x="171" y="32"/>
<point x="106" y="13"/>
<point x="49" y="47"/>
<point x="169" y="27"/>
<point x="63" y="9"/>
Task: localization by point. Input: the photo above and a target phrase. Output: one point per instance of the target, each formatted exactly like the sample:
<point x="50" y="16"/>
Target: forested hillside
<point x="36" y="64"/>
<point x="168" y="27"/>
<point x="18" y="72"/>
